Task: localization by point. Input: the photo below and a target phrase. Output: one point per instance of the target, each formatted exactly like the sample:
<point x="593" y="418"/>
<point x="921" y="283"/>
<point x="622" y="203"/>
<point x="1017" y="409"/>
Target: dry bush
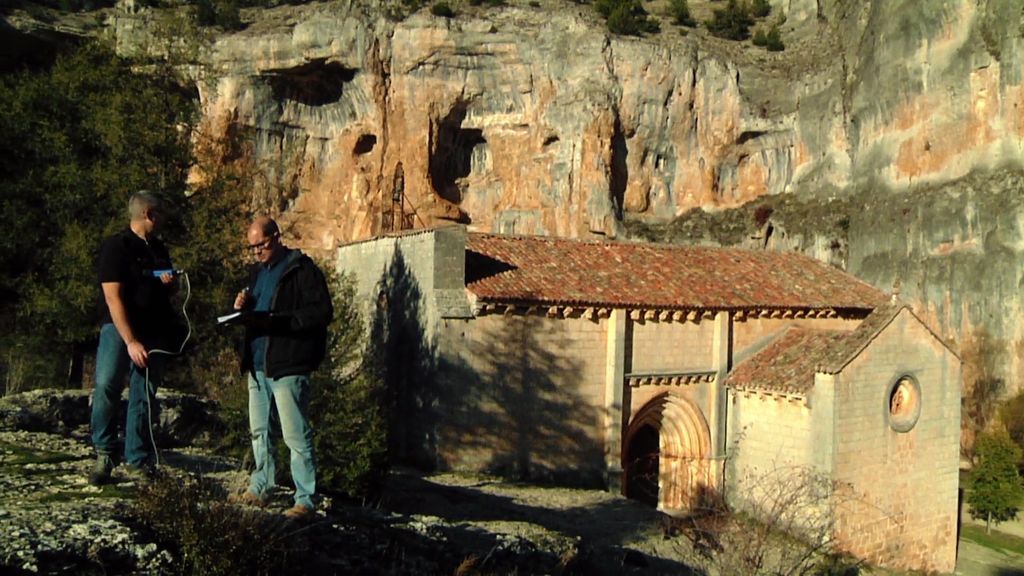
<point x="782" y="526"/>
<point x="208" y="536"/>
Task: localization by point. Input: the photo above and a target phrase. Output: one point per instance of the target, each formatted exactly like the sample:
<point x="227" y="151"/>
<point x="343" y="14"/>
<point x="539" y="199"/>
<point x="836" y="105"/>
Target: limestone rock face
<point x="518" y="120"/>
<point x="536" y="120"/>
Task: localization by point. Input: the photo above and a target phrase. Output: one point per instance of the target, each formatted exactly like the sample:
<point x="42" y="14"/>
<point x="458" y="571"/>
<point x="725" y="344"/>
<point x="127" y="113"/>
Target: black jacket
<point x="300" y="311"/>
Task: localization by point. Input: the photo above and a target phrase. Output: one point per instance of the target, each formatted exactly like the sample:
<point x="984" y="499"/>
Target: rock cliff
<point x="534" y="119"/>
<point x="896" y="125"/>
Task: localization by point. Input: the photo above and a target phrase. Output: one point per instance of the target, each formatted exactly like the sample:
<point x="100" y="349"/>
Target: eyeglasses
<point x="260" y="246"/>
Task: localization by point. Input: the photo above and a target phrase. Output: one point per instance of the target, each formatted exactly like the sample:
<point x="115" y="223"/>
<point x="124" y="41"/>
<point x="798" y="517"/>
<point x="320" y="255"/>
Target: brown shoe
<point x="247" y="498"/>
<point x="299" y="512"/>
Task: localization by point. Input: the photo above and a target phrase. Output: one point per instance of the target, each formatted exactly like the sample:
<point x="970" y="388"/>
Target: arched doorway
<point x="642" y="466"/>
<point x="683" y="444"/>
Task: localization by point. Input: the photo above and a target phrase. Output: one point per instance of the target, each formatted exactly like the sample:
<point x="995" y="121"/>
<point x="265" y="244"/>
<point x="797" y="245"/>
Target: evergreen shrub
<point x="679" y="10"/>
<point x="732" y="22"/>
<point x="443" y="10"/>
<point x="773" y="41"/>
<point x="347" y="405"/>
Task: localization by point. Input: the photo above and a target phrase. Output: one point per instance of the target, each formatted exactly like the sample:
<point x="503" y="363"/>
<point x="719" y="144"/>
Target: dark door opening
<point x="642" y="466"/>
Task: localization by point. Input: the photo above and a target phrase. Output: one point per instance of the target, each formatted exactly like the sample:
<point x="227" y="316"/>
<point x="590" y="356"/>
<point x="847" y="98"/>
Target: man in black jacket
<point x="285" y="340"/>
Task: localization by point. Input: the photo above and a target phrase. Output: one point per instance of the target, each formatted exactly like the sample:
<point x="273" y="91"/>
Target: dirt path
<point x="624" y="536"/>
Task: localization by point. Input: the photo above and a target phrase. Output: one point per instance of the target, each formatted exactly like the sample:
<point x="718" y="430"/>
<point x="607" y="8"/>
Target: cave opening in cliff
<point x="316" y="83"/>
<point x="365" y="144"/>
<point x="457" y="153"/>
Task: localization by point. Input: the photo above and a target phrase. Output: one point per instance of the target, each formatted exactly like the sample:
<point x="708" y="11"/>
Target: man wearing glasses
<point x="135" y="317"/>
<point x="285" y="340"/>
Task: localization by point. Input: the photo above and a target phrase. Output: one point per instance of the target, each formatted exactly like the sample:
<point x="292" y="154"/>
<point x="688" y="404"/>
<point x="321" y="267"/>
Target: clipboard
<point x="243" y="318"/>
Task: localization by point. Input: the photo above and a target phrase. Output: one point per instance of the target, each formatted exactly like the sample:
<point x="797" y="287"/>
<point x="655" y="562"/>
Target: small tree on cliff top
<point x="995" y="485"/>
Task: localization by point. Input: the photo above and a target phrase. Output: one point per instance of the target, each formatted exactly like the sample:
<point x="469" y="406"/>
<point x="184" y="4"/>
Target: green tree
<point x="760" y="38"/>
<point x="732" y="22"/>
<point x="626" y="17"/>
<point x="223" y="13"/>
<point x="995" y="484"/>
<point x="1011" y="415"/>
<point x="773" y="41"/>
<point x="79" y="137"/>
<point x="347" y="406"/>
<point x="442" y="9"/>
<point x="760" y="8"/>
<point x="679" y="10"/>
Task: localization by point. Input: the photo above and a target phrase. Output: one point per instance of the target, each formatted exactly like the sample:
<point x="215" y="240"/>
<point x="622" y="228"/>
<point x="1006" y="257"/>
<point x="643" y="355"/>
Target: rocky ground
<point x="53" y="522"/>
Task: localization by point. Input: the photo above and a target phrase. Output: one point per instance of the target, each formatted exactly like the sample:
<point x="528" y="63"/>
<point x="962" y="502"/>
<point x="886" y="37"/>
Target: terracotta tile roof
<point x="834" y="360"/>
<point x="547" y="270"/>
<point x="788" y="364"/>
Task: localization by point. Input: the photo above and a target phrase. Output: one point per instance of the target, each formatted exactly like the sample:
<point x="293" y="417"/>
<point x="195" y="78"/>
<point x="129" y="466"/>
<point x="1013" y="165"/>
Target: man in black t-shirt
<point x="135" y="317"/>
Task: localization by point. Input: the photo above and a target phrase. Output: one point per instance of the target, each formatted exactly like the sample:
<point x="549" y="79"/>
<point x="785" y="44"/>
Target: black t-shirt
<point x="130" y="260"/>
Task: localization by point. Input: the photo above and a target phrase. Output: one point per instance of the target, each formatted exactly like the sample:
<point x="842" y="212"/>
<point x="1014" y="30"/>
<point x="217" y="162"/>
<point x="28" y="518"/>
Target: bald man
<point x="284" y="343"/>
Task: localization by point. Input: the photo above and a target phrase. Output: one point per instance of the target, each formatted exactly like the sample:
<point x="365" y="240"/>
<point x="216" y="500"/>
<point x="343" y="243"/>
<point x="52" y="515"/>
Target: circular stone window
<point x="904" y="404"/>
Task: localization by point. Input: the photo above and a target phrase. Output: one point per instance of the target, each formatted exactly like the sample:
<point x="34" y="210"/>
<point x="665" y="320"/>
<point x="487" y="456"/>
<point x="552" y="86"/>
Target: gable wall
<point x="897" y="503"/>
<point x="523" y="395"/>
<point x="426" y="267"/>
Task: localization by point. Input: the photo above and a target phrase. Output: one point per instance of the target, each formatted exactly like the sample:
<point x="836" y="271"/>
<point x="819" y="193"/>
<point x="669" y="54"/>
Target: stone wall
<point x="770" y="439"/>
<point x="670" y="346"/>
<point x="896" y="502"/>
<point x="424" y="271"/>
<point x="406" y="287"/>
<point x="523" y="395"/>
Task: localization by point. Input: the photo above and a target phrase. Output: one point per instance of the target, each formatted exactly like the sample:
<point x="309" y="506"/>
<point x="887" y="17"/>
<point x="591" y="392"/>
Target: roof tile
<point x="546" y="270"/>
<point x="788" y="364"/>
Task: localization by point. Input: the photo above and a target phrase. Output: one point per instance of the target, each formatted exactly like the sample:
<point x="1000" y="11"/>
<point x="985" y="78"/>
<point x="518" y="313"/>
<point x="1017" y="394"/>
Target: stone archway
<point x="641" y="469"/>
<point x="684" y="443"/>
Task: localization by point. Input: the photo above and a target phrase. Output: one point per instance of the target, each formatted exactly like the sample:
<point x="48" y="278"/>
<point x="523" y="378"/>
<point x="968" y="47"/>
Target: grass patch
<point x="110" y="492"/>
<point x="997" y="541"/>
<point x="17" y="456"/>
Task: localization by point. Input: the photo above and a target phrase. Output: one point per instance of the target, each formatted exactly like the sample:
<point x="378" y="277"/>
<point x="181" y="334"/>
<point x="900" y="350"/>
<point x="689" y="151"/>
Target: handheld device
<point x="171" y="271"/>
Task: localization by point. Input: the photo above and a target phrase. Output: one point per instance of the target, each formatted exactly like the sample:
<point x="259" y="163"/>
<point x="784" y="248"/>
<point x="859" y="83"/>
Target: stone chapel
<point x="673" y="374"/>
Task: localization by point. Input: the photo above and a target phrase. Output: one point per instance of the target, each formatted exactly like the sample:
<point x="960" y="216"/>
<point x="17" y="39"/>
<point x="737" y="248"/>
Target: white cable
<point x="150" y="392"/>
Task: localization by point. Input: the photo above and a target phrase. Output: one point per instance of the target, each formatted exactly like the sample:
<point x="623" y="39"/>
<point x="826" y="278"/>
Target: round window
<point x="904" y="403"/>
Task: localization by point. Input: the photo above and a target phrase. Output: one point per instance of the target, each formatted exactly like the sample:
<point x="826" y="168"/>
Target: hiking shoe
<point x="247" y="498"/>
<point x="144" y="472"/>
<point x="101" y="470"/>
<point x="299" y="512"/>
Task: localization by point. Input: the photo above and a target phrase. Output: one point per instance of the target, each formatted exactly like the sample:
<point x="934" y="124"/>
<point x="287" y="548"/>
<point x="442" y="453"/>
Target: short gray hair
<point x="142" y="201"/>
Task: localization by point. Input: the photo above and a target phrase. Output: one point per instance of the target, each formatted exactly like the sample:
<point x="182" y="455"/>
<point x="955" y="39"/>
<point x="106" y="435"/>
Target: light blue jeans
<point x="291" y="396"/>
<point x="112" y="365"/>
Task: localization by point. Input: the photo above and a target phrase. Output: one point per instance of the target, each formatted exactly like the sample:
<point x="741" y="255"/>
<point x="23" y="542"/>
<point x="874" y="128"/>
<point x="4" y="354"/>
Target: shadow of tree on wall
<point x="403" y="358"/>
<point x="509" y="405"/>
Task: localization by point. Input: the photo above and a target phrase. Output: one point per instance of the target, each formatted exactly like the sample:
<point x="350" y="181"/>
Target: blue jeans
<point x="291" y="396"/>
<point x="112" y="365"/>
